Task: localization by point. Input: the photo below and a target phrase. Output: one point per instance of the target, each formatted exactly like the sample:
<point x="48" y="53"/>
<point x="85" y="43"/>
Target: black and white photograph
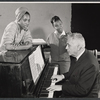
<point x="50" y="50"/>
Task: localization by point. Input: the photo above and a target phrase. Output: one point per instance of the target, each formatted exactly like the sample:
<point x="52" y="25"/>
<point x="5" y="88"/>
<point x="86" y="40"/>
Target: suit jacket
<point x="81" y="79"/>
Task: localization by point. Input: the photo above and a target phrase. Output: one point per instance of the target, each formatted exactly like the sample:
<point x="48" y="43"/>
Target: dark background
<point x="86" y="20"/>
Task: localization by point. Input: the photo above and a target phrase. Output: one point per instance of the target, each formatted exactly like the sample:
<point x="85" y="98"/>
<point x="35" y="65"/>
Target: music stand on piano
<point x="42" y="80"/>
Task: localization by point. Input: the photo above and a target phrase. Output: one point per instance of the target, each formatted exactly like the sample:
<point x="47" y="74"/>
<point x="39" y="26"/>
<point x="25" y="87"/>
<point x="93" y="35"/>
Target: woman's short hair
<point x="27" y="13"/>
<point x="54" y="19"/>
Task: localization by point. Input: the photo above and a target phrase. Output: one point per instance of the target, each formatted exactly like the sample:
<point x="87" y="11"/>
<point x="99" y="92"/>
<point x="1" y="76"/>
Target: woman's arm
<point x="18" y="47"/>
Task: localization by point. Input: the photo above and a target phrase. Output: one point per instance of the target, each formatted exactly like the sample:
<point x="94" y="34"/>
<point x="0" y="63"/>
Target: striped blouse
<point x="13" y="35"/>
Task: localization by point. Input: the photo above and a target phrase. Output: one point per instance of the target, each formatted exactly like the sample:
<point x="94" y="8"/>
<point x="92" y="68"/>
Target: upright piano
<point x="26" y="73"/>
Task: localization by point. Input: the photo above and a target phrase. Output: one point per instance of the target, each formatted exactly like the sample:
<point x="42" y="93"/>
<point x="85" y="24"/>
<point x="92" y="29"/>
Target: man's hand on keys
<point x="54" y="88"/>
<point x="57" y="78"/>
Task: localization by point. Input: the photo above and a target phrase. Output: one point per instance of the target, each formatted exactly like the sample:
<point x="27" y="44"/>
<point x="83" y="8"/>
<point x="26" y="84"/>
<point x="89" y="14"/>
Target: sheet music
<point x="38" y="41"/>
<point x="34" y="70"/>
<point x="36" y="63"/>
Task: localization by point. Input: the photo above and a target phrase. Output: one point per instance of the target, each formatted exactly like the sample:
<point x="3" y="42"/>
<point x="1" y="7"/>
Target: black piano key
<point x="44" y="91"/>
<point x="51" y="70"/>
<point x="46" y="83"/>
<point x="43" y="88"/>
<point x="49" y="77"/>
<point x="44" y="95"/>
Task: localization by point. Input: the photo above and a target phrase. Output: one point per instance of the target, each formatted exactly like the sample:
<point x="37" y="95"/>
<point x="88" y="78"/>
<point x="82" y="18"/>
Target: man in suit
<point x="81" y="80"/>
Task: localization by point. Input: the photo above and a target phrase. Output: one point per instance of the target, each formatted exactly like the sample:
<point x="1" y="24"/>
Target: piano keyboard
<point x="50" y="95"/>
<point x="52" y="70"/>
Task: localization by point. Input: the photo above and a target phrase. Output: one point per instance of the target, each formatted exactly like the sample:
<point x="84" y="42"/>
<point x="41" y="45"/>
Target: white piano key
<point x="51" y="93"/>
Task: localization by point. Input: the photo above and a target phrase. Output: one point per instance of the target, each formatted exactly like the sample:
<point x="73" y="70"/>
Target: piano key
<point x="47" y="82"/>
<point x="45" y="91"/>
<point x="50" y="95"/>
<point x="44" y="95"/>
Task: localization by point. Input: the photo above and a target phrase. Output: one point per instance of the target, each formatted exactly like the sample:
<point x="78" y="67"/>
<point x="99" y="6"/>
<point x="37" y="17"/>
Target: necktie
<point x="73" y="61"/>
<point x="72" y="66"/>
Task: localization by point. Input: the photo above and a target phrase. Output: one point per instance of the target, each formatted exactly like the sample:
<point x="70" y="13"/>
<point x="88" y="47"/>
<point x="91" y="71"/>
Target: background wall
<point x="86" y="20"/>
<point x="41" y="14"/>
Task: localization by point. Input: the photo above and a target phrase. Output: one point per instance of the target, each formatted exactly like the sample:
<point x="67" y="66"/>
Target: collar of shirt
<point x="63" y="33"/>
<point x="80" y="54"/>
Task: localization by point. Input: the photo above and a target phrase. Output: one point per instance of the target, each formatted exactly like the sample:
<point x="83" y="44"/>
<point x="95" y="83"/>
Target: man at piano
<point x="81" y="80"/>
<point x="56" y="41"/>
<point x="16" y="35"/>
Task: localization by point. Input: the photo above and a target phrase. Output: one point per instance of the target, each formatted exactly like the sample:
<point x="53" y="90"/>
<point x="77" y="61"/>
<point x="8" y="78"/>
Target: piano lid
<point x="15" y="56"/>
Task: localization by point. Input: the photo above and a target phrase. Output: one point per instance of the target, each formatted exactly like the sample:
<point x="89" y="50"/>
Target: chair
<point x="98" y="79"/>
<point x="94" y="52"/>
<point x="98" y="56"/>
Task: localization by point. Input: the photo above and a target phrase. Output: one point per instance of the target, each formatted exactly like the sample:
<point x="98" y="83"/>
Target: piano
<point x="17" y="78"/>
<point x="44" y="82"/>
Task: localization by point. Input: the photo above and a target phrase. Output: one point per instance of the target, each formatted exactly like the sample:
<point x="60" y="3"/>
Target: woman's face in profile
<point x="24" y="22"/>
